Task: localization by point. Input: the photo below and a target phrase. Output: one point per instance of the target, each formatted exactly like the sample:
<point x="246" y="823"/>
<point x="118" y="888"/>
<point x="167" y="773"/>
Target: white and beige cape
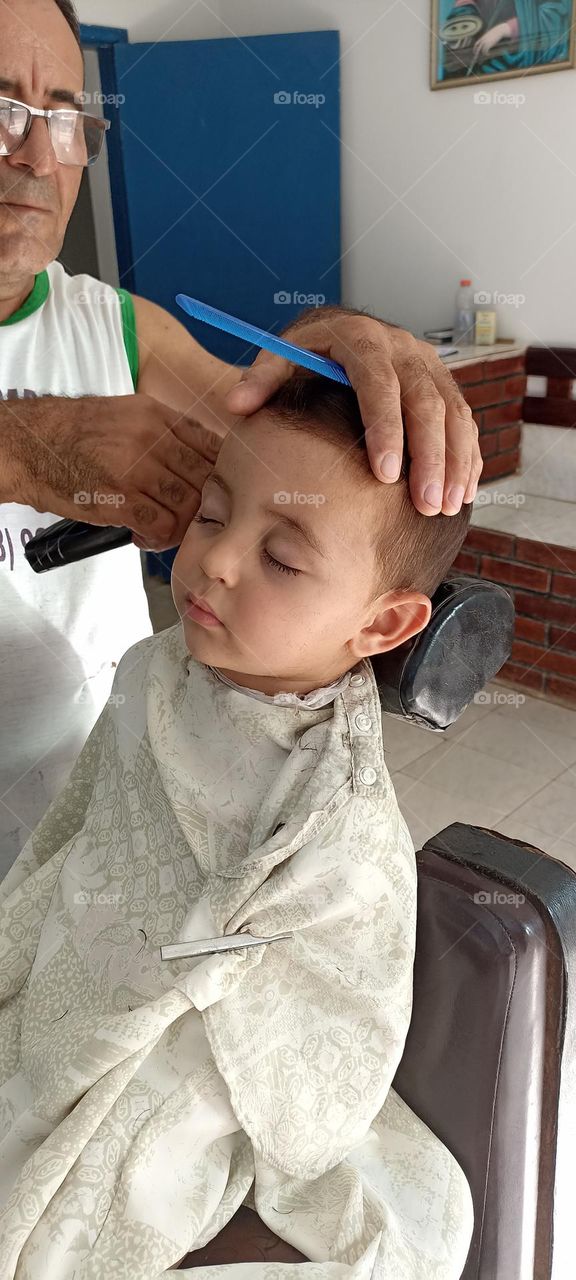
<point x="142" y="1101"/>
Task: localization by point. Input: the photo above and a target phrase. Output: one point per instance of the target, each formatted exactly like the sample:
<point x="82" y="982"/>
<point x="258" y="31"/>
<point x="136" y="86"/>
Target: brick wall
<point x="495" y="390"/>
<point x="541" y="578"/>
<point x="556" y="407"/>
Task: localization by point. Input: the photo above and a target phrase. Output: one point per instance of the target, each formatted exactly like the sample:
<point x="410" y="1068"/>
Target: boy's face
<point x="277" y="629"/>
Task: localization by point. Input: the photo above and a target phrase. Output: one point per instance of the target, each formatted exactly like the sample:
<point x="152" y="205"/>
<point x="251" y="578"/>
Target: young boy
<point x="235" y="783"/>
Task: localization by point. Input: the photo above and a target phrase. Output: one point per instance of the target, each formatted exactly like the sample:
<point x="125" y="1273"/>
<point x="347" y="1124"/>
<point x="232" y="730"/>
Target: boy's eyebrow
<point x="300" y="526"/>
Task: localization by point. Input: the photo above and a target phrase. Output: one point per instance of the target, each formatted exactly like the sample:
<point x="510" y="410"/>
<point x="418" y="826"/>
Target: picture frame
<point x="481" y="40"/>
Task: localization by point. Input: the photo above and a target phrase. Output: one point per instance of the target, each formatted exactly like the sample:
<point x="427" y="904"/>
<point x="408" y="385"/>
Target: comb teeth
<point x="261" y="338"/>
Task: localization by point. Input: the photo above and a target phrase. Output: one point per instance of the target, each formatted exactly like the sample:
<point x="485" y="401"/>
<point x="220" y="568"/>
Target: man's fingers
<point x="258" y="383"/>
<point x="459" y="439"/>
<point x="404" y="392"/>
<point x="149" y="520"/>
<point x="178" y="500"/>
<point x="475" y="475"/>
<point x="378" y="390"/>
<point x="463" y="457"/>
<point x="140" y="542"/>
<point x="365" y="352"/>
<point x="425" y="425"/>
<point x="188" y="465"/>
<point x="194" y="440"/>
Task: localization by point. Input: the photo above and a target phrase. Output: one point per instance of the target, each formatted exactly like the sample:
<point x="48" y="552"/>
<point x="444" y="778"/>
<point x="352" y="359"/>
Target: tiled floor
<point x="508" y="763"/>
<point x="541" y="519"/>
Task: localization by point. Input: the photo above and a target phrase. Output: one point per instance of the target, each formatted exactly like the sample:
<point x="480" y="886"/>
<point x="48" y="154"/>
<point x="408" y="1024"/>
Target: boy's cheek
<point x="180" y="579"/>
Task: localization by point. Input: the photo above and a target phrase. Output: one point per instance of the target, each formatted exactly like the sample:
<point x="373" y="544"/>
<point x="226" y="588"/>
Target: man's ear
<point x="398" y="616"/>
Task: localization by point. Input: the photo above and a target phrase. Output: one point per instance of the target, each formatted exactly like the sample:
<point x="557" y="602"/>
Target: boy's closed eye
<point x="277" y="564"/>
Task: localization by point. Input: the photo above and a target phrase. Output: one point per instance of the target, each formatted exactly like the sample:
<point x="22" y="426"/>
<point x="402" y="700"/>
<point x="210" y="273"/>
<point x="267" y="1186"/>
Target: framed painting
<point x="494" y="39"/>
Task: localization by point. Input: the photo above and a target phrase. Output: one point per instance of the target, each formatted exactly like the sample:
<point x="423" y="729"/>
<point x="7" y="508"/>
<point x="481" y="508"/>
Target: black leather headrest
<point x="433" y="676"/>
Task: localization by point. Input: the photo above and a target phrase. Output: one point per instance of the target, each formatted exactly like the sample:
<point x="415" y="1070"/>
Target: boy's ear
<point x="398" y="616"/>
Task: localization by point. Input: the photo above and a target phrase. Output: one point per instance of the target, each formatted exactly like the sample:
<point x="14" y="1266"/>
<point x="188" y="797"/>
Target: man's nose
<point x="36" y="152"/>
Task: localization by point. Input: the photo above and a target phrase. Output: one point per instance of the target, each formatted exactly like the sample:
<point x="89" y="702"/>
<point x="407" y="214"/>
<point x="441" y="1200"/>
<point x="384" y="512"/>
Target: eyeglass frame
<point x="47" y="115"/>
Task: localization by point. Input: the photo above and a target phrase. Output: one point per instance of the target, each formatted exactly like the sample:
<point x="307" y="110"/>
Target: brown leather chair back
<point x="490" y="1055"/>
<point x="490" y="1058"/>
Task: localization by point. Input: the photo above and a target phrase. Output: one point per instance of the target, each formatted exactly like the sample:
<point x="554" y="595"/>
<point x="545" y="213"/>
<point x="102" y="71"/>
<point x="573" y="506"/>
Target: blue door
<point x="226" y="179"/>
<point x="231" y="176"/>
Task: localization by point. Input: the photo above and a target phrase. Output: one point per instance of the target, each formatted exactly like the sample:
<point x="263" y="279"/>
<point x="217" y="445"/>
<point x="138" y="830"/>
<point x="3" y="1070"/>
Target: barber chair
<point x="489" y="1062"/>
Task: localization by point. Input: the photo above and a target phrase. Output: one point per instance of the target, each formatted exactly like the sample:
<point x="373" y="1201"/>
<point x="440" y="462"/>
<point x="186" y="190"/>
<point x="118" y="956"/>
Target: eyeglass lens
<point x="76" y="138"/>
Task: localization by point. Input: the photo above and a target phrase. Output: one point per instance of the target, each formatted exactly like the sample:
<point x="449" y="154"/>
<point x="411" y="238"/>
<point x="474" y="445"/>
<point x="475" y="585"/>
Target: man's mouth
<point x="24" y="208"/>
<point x="197" y="609"/>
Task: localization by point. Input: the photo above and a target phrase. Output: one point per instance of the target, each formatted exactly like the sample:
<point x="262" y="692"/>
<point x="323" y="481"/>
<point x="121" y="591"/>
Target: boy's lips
<point x="196" y="605"/>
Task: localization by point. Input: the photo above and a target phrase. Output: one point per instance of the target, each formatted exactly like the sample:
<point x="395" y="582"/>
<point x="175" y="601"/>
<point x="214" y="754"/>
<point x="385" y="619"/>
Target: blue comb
<point x="261" y="338"/>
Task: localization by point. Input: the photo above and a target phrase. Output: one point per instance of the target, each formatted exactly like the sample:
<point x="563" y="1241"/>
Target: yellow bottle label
<point x="485" y="328"/>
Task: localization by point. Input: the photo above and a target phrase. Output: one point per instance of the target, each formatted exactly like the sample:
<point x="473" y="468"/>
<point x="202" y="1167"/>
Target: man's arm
<point x="177" y="370"/>
<point x="65" y="454"/>
<point x="152" y="450"/>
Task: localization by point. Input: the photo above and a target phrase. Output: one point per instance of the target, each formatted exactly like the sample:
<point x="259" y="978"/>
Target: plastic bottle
<point x="464" y="318"/>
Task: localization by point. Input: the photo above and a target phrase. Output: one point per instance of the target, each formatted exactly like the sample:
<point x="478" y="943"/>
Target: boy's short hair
<point x="423" y="548"/>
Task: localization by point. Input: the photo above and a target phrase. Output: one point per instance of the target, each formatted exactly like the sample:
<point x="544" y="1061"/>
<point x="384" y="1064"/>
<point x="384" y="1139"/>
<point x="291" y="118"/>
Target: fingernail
<point x="389" y="466"/>
<point x="433" y="494"/>
<point x="455" y="496"/>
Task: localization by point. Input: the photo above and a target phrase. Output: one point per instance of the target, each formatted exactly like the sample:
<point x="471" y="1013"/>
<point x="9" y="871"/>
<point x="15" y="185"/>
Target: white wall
<point x="155" y="19"/>
<point x="435" y="186"/>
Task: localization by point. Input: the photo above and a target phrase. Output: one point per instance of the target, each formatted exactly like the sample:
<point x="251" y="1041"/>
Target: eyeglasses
<point x="76" y="138"/>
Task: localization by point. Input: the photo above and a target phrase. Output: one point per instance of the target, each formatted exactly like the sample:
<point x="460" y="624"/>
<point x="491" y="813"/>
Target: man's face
<point x="275" y="624"/>
<point x="42" y="66"/>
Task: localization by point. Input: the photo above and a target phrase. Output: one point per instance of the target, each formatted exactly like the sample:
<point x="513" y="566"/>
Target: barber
<point x="111" y="413"/>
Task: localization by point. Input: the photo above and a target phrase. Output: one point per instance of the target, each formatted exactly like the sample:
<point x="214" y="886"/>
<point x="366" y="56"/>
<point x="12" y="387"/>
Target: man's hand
<point x="115" y="460"/>
<point x="391" y="372"/>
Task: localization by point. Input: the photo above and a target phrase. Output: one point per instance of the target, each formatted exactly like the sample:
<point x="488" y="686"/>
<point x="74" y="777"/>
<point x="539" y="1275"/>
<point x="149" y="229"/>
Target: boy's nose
<point x="219" y="560"/>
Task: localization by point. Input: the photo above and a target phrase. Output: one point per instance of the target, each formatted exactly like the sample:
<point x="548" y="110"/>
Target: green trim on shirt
<point x="129" y="331"/>
<point x="34" y="300"/>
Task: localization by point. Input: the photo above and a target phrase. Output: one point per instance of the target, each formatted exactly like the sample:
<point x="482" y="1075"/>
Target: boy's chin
<point x="200" y="643"/>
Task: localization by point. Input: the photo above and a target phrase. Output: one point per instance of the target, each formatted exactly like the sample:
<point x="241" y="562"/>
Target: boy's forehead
<point x="304" y="488"/>
<point x="262" y="437"/>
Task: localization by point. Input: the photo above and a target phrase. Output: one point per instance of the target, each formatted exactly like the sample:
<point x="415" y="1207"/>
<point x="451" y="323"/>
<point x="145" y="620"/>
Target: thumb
<point x="258" y="382"/>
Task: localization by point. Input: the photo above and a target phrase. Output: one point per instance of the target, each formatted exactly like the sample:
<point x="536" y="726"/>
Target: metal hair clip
<point x="213" y="946"/>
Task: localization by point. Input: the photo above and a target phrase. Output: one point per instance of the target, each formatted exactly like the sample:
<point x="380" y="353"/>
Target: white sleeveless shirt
<point x="62" y="633"/>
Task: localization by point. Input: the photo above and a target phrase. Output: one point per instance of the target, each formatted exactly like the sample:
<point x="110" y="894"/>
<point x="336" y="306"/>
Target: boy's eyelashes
<point x="276" y="564"/>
